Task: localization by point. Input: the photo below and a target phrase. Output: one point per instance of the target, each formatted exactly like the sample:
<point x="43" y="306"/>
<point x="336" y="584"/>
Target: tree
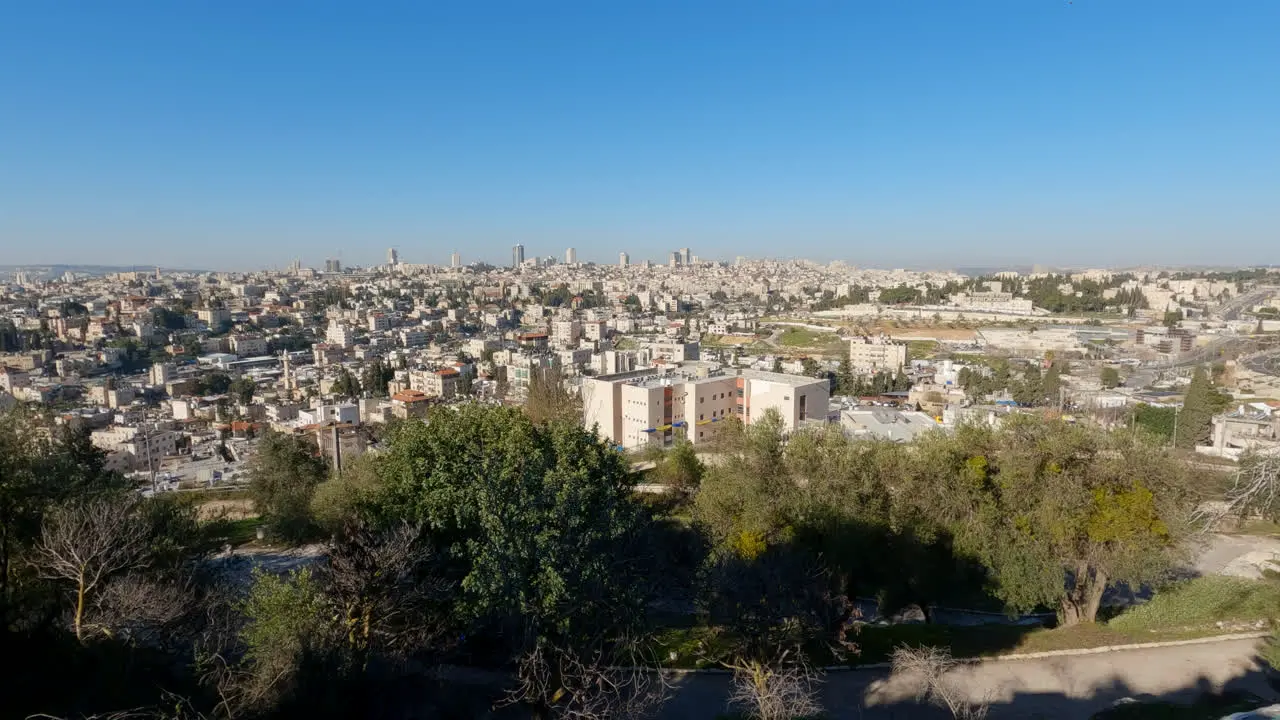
<point x="1055" y="512"/>
<point x="1172" y="318"/>
<point x="283" y="475"/>
<point x="40" y="467"/>
<point x="286" y="619"/>
<point x="549" y="400"/>
<point x="87" y="542"/>
<point x="845" y="380"/>
<point x="390" y="589"/>
<point x="777" y="363"/>
<point x="242" y="389"/>
<point x="215" y="383"/>
<point x="1110" y="377"/>
<point x="810" y="367"/>
<point x="1195" y="420"/>
<point x="539" y="518"/>
<point x="346" y="386"/>
<point x="375" y="377"/>
<point x="680" y="469"/>
<point x="1051" y="384"/>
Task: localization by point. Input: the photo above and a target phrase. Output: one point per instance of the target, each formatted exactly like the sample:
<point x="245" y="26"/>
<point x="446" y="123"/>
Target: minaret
<point x="288" y="378"/>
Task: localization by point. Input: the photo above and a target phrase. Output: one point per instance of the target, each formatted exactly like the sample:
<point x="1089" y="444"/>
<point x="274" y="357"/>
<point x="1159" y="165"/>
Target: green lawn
<point x="1199" y="604"/>
<point x="921" y="349"/>
<point x="233" y="532"/>
<point x="803" y="337"/>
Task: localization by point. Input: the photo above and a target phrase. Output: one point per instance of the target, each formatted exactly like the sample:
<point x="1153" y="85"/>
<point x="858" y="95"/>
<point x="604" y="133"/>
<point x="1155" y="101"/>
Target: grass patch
<point x="802" y="337"/>
<point x="1202" y="603"/>
<point x="234" y="532"/>
<point x="921" y="349"/>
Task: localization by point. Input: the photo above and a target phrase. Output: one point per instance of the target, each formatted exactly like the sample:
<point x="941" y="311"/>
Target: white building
<point x="413" y="337"/>
<point x="657" y="406"/>
<point x="340" y="335"/>
<point x="565" y="333"/>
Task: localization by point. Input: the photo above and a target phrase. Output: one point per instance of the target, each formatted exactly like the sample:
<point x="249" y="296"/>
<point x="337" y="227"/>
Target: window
<point x="804" y="406"/>
<point x="700" y="415"/>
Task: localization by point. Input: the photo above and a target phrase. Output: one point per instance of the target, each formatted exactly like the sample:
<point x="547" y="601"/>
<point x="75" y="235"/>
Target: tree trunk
<point x="1085" y="596"/>
<point x="79" y="608"/>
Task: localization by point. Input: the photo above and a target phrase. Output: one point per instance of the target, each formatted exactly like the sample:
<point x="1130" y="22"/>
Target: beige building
<point x="441" y="383"/>
<point x="872" y="355"/>
<point x="658" y="406"/>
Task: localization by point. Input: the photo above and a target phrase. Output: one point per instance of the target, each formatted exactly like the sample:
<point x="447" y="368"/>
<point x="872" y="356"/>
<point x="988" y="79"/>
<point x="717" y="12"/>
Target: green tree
<point x="283" y="475"/>
<point x="346" y="386"/>
<point x="745" y="501"/>
<point x="41" y="466"/>
<point x="1110" y="377"/>
<point x="845" y="379"/>
<point x="680" y="468"/>
<point x="1172" y="318"/>
<point x="539" y="519"/>
<point x="375" y="377"/>
<point x="242" y="389"/>
<point x="1195" y="419"/>
<point x="1055" y="512"/>
<point x="1051" y="384"/>
<point x="777" y="363"/>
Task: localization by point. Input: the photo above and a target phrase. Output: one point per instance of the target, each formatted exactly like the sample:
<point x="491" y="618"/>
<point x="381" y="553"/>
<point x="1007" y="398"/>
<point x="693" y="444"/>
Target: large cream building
<point x="659" y="405"/>
<point x="872" y="355"/>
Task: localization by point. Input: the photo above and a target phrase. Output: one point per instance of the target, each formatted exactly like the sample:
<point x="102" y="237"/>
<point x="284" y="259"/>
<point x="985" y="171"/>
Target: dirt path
<point x="1060" y="688"/>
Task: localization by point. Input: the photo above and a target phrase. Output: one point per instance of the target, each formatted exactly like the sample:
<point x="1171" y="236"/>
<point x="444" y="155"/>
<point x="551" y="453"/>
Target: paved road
<point x="1062" y="688"/>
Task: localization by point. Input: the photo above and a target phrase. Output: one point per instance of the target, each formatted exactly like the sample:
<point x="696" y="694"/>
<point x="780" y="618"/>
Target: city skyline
<point x="1068" y="134"/>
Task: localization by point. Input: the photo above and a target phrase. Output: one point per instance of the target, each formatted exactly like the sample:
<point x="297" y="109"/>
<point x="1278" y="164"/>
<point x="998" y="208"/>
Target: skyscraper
<point x="455" y="260"/>
<point x="624" y="259"/>
<point x="517" y="256"/>
<point x="571" y="256"/>
<point x="393" y="257"/>
<point x="686" y="257"/>
<point x="674" y="261"/>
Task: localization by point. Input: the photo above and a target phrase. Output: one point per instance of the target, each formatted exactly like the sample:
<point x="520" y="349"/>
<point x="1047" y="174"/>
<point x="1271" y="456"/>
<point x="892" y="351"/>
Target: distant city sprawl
<point x="285" y="492"/>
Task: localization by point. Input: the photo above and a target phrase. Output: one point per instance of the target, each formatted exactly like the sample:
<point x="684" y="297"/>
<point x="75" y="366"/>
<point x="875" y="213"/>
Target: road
<point x="1061" y="688"/>
<point x="1232" y="309"/>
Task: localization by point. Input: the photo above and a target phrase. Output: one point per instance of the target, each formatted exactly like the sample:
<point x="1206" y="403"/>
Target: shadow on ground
<point x="1218" y="676"/>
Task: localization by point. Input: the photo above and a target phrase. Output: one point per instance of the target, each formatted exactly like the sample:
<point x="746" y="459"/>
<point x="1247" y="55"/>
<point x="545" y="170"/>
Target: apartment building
<point x="340" y="335"/>
<point x="565" y="333"/>
<point x="248" y="345"/>
<point x="658" y="406"/>
<point x="871" y="355"/>
<point x="413" y="337"/>
<point x="442" y="383"/>
<point x="379" y="322"/>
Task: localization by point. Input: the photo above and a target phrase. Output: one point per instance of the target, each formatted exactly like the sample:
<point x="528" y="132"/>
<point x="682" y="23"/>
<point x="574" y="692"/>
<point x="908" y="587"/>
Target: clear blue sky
<point x="244" y="133"/>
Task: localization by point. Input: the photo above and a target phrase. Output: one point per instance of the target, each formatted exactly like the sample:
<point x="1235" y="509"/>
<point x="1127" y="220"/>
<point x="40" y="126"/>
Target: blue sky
<point x="243" y="133"/>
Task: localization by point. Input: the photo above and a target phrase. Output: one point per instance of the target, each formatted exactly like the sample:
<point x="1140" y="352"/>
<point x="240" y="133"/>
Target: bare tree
<point x="87" y="542"/>
<point x="140" y="608"/>
<point x="390" y="587"/>
<point x="779" y="690"/>
<point x="931" y="666"/>
<point x="599" y="684"/>
<point x="1255" y="490"/>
